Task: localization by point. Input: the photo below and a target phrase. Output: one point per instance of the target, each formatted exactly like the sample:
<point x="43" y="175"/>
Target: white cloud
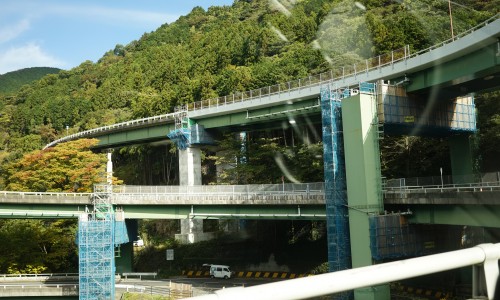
<point x="30" y="55"/>
<point x="101" y="13"/>
<point x="11" y="32"/>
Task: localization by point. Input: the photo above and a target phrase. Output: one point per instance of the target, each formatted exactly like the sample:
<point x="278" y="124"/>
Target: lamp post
<point x="441" y="171"/>
<point x="67" y="129"/>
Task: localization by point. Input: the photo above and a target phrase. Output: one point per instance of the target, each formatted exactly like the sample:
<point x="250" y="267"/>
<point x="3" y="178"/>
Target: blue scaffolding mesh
<point x="99" y="232"/>
<point x="401" y="112"/>
<point x="339" y="248"/>
<point x="121" y="234"/>
<point x="193" y="134"/>
<point x="96" y="257"/>
<point x="181" y="137"/>
<point x="200" y="136"/>
<point x="391" y="237"/>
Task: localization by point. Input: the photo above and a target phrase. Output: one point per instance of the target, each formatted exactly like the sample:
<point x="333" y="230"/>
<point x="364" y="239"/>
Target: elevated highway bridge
<point x="468" y="63"/>
<point x="473" y="204"/>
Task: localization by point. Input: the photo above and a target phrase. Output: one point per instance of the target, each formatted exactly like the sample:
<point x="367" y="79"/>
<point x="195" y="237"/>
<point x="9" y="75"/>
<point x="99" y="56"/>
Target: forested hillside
<point x="11" y="82"/>
<point x="216" y="52"/>
<point x="210" y="53"/>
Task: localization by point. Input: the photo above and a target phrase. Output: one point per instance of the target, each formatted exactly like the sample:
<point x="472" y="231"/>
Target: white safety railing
<point x="40" y="276"/>
<point x="258" y="192"/>
<point x="468" y="183"/>
<point x="223" y="190"/>
<point x="116" y="127"/>
<point x="484" y="259"/>
<point x="43" y="194"/>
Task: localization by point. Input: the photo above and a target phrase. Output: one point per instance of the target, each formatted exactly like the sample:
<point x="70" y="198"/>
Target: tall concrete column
<point x="362" y="160"/>
<point x="190" y="167"/>
<point x="190" y="175"/>
<point x="461" y="158"/>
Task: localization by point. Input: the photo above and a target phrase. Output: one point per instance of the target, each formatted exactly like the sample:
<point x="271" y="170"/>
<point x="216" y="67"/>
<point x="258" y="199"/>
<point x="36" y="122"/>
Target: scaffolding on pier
<point x="391" y="237"/>
<point x="99" y="233"/>
<point x="339" y="249"/>
<point x="406" y="114"/>
<point x="187" y="132"/>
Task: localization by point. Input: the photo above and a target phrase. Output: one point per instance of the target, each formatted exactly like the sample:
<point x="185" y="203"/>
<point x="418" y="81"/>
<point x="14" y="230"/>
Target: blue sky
<point x="63" y="34"/>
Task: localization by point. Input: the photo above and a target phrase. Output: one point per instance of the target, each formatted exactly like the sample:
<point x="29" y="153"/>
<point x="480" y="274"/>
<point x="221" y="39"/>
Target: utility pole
<point x="451" y="19"/>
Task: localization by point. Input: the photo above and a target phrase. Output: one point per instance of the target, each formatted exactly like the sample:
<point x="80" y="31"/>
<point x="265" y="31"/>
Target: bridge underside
<point x="452" y="214"/>
<point x="272" y="212"/>
<point x="485" y="215"/>
<point x="476" y="71"/>
<point x="134" y="136"/>
<point x="285" y="212"/>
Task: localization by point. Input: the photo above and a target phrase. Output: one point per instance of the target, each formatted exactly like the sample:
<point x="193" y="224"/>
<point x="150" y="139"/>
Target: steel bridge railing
<point x="466" y="183"/>
<point x="314" y="188"/>
<point x="475" y="183"/>
<point x="36" y="277"/>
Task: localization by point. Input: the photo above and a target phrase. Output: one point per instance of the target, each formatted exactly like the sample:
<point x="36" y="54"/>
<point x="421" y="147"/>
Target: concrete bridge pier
<point x="190" y="166"/>
<point x="363" y="177"/>
<point x="190" y="175"/>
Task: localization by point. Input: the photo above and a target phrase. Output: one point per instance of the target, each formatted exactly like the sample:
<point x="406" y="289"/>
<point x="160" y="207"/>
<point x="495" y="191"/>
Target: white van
<point x="220" y="271"/>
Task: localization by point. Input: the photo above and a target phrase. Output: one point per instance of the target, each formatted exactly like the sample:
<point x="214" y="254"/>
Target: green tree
<point x="267" y="159"/>
<point x="36" y="246"/>
<point x="488" y="106"/>
<point x="67" y="167"/>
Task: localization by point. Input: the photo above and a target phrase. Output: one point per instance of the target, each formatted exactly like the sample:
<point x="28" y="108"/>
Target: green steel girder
<point x="41" y="211"/>
<point x="470" y="215"/>
<point x="253" y="119"/>
<point x="305" y="212"/>
<point x="263" y="117"/>
<point x="47" y="211"/>
<point x="135" y="136"/>
<point x="453" y="214"/>
<point x="476" y="71"/>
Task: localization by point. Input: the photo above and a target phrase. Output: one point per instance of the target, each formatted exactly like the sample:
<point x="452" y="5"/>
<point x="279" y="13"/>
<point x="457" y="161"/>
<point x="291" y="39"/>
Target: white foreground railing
<point x="484" y="259"/>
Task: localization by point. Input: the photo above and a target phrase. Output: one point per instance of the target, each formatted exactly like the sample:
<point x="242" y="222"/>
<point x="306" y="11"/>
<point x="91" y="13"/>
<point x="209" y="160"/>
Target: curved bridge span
<point x="393" y="66"/>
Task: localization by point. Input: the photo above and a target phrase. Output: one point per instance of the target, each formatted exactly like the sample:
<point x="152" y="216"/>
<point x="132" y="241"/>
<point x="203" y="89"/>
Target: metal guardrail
<point x="250" y="189"/>
<point x="484" y="182"/>
<point x="170" y="117"/>
<point x="364" y="67"/>
<point x="439" y="184"/>
<point x="38" y="286"/>
<point x="37" y="276"/>
<point x="474" y="179"/>
<point x="442" y="189"/>
<point x="140" y="274"/>
<point x="32" y="195"/>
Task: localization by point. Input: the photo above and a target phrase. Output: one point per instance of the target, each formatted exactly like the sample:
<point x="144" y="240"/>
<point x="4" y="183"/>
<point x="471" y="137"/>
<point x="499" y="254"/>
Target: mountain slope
<point x="11" y="82"/>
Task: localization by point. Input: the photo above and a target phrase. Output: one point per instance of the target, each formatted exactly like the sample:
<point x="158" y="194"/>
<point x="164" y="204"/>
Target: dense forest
<point x="11" y="82"/>
<point x="222" y="50"/>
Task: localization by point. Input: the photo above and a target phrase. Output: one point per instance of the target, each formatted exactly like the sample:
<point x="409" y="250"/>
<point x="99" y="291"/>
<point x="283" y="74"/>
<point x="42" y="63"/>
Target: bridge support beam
<point x="461" y="157"/>
<point x="362" y="159"/>
<point x="190" y="166"/>
<point x="190" y="175"/>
